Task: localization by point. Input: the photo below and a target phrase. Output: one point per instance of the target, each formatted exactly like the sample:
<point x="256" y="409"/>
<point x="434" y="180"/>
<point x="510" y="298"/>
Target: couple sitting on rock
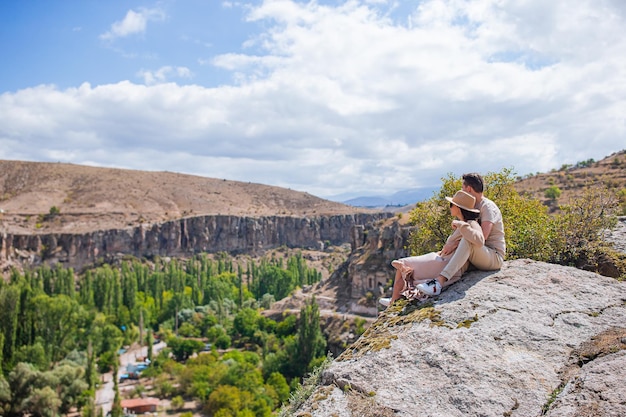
<point x="477" y="239"/>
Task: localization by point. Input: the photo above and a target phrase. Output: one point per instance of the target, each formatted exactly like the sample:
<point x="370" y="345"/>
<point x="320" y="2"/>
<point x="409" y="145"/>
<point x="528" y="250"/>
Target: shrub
<point x="177" y="402"/>
<point x="575" y="236"/>
<point x="581" y="227"/>
<point x="553" y="192"/>
<point x="621" y="197"/>
<point x="527" y="224"/>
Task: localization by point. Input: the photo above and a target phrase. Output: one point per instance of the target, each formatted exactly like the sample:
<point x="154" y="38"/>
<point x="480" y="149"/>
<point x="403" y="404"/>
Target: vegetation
<point x="573" y="236"/>
<point x="221" y="352"/>
<point x="553" y="192"/>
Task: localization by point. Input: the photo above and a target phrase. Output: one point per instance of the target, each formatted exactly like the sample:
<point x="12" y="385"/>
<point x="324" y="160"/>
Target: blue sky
<point x="336" y="98"/>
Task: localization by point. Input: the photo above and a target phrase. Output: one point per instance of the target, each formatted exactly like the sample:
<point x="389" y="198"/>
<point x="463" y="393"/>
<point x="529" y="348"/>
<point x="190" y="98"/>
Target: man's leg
<point x="457" y="261"/>
<point x="485" y="259"/>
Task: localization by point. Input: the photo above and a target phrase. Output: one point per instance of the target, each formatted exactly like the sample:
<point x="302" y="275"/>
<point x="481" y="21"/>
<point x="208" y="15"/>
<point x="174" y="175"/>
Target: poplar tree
<point x="310" y="340"/>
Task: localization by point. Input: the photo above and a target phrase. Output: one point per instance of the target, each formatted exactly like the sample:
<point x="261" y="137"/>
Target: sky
<point x="337" y="98"/>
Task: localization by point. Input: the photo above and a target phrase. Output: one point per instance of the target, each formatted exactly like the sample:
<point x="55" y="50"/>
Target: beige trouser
<point x="482" y="257"/>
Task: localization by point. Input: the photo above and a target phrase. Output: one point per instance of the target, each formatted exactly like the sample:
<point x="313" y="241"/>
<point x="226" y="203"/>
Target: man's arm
<point x="486" y="226"/>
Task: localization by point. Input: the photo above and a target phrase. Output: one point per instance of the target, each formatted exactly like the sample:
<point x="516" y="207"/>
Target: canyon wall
<point x="373" y="249"/>
<point x="184" y="237"/>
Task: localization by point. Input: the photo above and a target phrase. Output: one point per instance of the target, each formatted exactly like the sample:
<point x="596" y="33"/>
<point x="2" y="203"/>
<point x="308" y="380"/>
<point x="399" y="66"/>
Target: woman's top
<point x="470" y="231"/>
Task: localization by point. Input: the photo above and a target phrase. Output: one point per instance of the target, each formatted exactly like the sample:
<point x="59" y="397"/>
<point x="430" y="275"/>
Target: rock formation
<point x="373" y="248"/>
<point x="183" y="237"/>
<point x="531" y="339"/>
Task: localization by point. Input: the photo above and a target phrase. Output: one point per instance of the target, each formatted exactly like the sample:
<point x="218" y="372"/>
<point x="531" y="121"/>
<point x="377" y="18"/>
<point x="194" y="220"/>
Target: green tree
<point x="278" y="382"/>
<point x="43" y="402"/>
<point x="553" y="192"/>
<point x="10" y="302"/>
<point x="311" y="341"/>
<point x="58" y="320"/>
<point x="90" y="368"/>
<point x="246" y="322"/>
<point x="22" y="381"/>
<point x="5" y="395"/>
<point x="116" y="408"/>
<point x="228" y="401"/>
<point x="71" y="385"/>
<point x="149" y="343"/>
<point x="183" y="348"/>
<point x="33" y="354"/>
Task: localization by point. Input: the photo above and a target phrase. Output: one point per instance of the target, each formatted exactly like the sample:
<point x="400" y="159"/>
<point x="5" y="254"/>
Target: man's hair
<point x="475" y="181"/>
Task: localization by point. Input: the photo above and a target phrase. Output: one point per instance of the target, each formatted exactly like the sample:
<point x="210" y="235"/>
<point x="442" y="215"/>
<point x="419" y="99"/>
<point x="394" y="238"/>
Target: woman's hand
<point x="457" y="223"/>
<point x="448" y="248"/>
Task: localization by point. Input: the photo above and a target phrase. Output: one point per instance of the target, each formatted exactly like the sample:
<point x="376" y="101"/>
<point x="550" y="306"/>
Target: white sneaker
<point x="384" y="301"/>
<point x="432" y="287"/>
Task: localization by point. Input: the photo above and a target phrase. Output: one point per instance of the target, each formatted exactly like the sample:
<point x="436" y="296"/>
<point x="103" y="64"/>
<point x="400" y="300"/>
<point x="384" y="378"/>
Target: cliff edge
<point x="531" y="339"/>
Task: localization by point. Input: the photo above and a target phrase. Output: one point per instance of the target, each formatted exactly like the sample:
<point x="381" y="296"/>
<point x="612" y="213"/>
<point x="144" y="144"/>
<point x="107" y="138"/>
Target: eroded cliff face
<point x="183" y="237"/>
<point x="373" y="248"/>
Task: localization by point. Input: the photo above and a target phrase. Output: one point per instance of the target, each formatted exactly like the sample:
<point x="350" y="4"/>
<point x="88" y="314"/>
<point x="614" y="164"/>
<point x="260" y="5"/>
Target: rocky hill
<point x="37" y="197"/>
<point x="531" y="339"/>
<point x="79" y="216"/>
<point x="572" y="180"/>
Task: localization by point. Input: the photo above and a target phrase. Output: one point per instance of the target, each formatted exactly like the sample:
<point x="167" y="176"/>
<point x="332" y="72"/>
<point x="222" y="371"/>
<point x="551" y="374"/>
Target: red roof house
<point x="140" y="405"/>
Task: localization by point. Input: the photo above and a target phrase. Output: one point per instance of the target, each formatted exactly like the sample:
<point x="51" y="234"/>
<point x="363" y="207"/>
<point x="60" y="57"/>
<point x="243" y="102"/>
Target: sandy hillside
<point x="89" y="198"/>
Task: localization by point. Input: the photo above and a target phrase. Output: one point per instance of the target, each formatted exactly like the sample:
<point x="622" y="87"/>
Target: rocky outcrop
<point x="374" y="246"/>
<point x="183" y="237"/>
<point x="531" y="339"/>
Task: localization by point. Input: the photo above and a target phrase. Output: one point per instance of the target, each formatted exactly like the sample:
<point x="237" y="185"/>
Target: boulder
<point x="530" y="339"/>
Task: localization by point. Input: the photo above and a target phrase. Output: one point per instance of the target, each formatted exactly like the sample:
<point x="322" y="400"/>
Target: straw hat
<point x="464" y="200"/>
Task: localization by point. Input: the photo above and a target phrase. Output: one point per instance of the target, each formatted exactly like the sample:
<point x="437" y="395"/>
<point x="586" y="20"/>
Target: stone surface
<point x="617" y="236"/>
<point x="528" y="339"/>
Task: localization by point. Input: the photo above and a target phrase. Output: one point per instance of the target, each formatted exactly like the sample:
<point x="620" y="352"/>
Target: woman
<point x="419" y="271"/>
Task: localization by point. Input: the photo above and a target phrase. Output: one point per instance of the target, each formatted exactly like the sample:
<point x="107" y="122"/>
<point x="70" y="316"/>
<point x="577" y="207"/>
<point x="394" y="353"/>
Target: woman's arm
<point x="451" y="243"/>
<point x="471" y="232"/>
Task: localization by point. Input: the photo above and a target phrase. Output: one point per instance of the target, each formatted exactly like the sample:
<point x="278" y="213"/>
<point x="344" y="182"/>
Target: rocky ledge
<point x="531" y="339"/>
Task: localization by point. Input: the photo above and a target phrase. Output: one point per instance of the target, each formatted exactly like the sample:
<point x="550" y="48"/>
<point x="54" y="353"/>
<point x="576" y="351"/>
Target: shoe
<point x="384" y="301"/>
<point x="432" y="287"/>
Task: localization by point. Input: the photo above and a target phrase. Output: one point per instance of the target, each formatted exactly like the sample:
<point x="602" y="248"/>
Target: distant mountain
<point x="400" y="198"/>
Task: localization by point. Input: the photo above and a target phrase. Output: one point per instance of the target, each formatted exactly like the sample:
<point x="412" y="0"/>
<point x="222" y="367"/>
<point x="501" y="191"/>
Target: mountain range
<point x="400" y="198"/>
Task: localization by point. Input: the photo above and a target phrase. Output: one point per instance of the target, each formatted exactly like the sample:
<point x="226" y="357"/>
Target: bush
<point x="553" y="192"/>
<point x="527" y="224"/>
<point x="581" y="227"/>
<point x="177" y="403"/>
<point x="223" y="342"/>
<point x="574" y="237"/>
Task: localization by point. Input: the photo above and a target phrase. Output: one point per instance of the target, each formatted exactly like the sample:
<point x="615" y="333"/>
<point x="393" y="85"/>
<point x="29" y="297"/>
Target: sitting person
<point x="487" y="257"/>
<point x="413" y="271"/>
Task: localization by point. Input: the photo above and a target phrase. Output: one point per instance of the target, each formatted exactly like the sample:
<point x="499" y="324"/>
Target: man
<point x="488" y="257"/>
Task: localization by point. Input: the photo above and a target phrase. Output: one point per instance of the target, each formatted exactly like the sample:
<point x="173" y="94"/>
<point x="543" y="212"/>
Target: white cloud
<point x="135" y="22"/>
<point x="163" y="74"/>
<point x="331" y="99"/>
